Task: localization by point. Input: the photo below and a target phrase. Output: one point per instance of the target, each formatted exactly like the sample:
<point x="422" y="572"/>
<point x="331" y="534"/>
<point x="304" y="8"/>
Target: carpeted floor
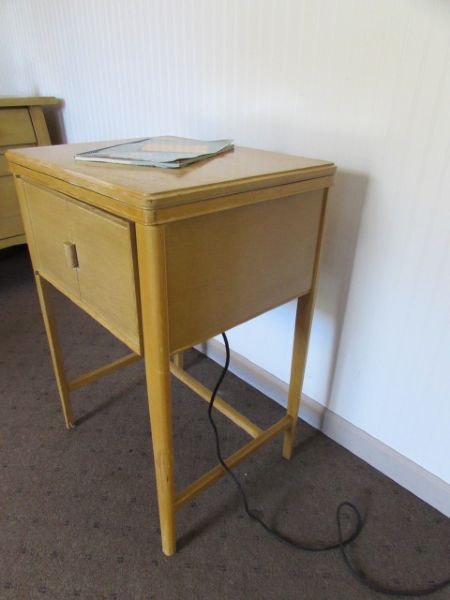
<point x="78" y="517"/>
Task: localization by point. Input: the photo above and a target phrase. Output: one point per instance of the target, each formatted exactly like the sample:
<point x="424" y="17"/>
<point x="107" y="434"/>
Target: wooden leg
<point x="301" y="336"/>
<point x="55" y="349"/>
<point x="150" y="243"/>
<point x="178" y="360"/>
<point x="303" y="321"/>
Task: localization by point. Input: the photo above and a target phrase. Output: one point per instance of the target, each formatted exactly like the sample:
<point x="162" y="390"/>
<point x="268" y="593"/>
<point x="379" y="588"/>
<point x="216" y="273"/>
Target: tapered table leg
<point x="55" y="349"/>
<point x="151" y="255"/>
<point x="303" y="322"/>
<point x="299" y="352"/>
<point x="178" y="360"/>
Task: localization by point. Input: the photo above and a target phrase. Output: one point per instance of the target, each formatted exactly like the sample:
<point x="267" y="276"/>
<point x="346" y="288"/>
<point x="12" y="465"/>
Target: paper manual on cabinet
<point x="169" y="152"/>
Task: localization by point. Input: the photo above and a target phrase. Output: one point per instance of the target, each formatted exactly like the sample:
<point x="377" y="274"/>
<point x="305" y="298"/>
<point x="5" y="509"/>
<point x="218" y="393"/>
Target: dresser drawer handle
<point x="70" y="250"/>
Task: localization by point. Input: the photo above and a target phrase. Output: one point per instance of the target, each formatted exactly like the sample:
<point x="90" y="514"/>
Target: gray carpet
<point x="78" y="517"/>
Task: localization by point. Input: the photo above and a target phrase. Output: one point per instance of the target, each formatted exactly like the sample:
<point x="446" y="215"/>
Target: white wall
<point x="365" y="84"/>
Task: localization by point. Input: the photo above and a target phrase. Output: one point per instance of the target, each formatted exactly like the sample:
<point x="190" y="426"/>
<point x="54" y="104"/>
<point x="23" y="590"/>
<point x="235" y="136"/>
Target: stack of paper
<point x="167" y="151"/>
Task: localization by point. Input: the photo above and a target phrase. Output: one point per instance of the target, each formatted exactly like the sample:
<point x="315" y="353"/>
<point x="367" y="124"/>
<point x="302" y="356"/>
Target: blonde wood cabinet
<point x="22" y="124"/>
<point x="166" y="258"/>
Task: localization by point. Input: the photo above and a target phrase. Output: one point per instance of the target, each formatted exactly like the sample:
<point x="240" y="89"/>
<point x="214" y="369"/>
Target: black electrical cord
<point x="341" y="543"/>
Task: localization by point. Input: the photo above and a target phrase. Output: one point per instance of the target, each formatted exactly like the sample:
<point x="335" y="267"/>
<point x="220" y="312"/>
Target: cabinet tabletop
<point x="151" y="189"/>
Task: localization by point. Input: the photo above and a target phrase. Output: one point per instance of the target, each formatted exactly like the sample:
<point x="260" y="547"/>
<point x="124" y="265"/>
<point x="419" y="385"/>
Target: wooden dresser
<point x="22" y="124"/>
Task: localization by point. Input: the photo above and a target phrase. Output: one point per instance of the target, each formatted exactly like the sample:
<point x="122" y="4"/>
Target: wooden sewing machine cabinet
<point x="166" y="259"/>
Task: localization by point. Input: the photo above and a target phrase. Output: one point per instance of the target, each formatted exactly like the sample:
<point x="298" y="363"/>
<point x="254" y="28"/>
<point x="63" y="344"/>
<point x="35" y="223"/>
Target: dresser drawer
<point x="16" y="127"/>
<point x="89" y="255"/>
<point x="3" y="166"/>
<point x="10" y="220"/>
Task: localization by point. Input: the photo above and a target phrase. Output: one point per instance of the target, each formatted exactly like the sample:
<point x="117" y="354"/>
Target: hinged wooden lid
<point x="149" y="191"/>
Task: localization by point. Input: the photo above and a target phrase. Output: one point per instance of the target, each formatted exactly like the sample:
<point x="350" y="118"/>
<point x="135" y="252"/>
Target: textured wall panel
<point x="366" y="84"/>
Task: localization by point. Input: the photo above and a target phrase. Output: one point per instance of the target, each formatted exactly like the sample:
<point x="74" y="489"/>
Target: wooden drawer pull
<point x="70" y="251"/>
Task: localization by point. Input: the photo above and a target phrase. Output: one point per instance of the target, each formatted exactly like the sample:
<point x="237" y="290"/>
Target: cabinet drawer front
<point x="50" y="230"/>
<point x="90" y="256"/>
<point x="16" y="127"/>
<point x="10" y="219"/>
<point x="105" y="249"/>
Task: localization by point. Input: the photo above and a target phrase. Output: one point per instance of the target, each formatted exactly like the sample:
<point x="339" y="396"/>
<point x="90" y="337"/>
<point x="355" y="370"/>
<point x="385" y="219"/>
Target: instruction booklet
<point x="169" y="152"/>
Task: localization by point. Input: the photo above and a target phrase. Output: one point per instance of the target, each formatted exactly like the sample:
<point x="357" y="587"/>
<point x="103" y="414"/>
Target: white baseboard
<point x="405" y="472"/>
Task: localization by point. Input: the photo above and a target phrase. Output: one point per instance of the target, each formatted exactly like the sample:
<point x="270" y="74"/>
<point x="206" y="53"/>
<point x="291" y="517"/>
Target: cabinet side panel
<point x="227" y="267"/>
